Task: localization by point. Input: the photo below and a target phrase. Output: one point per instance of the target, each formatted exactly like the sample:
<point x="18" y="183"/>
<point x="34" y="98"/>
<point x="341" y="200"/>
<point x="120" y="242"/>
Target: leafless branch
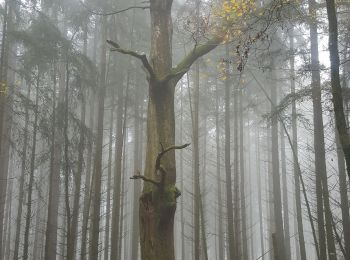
<point x="141" y="57"/>
<point x="164" y="151"/>
<point x="113" y="12"/>
<point x="138" y="176"/>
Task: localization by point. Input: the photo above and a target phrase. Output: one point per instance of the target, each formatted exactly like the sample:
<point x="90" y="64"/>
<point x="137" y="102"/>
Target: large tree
<point x="158" y="199"/>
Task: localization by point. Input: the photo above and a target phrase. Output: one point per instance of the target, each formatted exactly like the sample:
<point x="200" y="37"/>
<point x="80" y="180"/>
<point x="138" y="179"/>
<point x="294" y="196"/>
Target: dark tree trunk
<point x="119" y="143"/>
<point x="22" y="178"/>
<point x="340" y="120"/>
<point x="276" y="185"/>
<point x="258" y="172"/>
<point x="285" y="196"/>
<point x="97" y="174"/>
<point x="196" y="177"/>
<point x="299" y="217"/>
<point x="229" y="197"/>
<point x="319" y="147"/>
<point x="31" y="172"/>
<point x="242" y="175"/>
<point x="218" y="177"/>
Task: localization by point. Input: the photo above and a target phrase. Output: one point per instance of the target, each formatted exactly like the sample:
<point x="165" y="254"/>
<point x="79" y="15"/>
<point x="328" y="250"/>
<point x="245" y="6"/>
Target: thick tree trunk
<point x="157" y="206"/>
<point x="158" y="199"/>
<point x="340" y="120"/>
<point x="343" y="195"/>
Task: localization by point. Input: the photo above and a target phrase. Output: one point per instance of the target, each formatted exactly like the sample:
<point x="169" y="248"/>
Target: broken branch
<point x="145" y="179"/>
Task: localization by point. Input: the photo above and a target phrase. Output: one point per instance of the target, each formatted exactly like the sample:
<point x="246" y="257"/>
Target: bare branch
<point x="141" y="57"/>
<point x="164" y="151"/>
<point x="113" y="12"/>
<point x="138" y="176"/>
<point x="197" y="52"/>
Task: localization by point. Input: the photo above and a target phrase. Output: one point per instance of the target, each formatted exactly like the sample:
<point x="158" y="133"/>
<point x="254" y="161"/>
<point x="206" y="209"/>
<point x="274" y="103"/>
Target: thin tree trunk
<point x="261" y="223"/>
<point x="7" y="245"/>
<point x="31" y="172"/>
<point x="55" y="167"/>
<point x="137" y="167"/>
<point x="319" y="147"/>
<point x="299" y="216"/>
<point x="22" y="178"/>
<point x="87" y="189"/>
<point x="97" y="174"/>
<point x="236" y="187"/>
<point x="109" y="178"/>
<point x="285" y="196"/>
<point x="218" y="177"/>
<point x="72" y="243"/>
<point x="196" y="178"/>
<point x="277" y="205"/>
<point x="90" y="148"/>
<point x="119" y="143"/>
<point x="242" y="175"/>
<point x="229" y="197"/>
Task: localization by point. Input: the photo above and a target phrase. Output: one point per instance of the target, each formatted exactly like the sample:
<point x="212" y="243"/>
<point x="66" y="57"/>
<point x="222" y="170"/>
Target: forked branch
<point x="159" y="184"/>
<point x="164" y="151"/>
<point x="141" y="57"/>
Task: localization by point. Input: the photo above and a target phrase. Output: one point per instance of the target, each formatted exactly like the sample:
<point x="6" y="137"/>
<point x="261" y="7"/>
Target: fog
<point x="174" y="130"/>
